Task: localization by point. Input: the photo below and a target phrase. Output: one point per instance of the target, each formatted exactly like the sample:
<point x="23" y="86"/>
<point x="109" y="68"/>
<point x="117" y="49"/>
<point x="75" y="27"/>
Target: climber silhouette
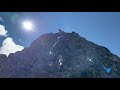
<point x="60" y="30"/>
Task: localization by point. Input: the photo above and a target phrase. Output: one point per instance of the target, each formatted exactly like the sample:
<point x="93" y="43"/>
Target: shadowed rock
<point x="62" y="55"/>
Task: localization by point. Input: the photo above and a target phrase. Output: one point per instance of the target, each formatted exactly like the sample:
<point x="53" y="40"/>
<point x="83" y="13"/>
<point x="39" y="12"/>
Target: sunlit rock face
<point x="61" y="55"/>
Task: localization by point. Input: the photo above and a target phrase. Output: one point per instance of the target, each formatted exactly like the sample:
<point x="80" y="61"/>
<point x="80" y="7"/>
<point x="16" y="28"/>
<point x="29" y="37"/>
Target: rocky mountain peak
<point x="62" y="55"/>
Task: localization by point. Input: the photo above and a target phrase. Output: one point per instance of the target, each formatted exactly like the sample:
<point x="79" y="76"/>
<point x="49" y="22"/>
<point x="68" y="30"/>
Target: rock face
<point x="61" y="55"/>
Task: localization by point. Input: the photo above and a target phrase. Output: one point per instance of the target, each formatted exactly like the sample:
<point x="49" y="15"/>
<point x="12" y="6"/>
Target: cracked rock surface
<point x="61" y="55"/>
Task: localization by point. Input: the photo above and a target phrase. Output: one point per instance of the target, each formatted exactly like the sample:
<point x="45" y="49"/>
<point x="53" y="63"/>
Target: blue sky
<point x="101" y="28"/>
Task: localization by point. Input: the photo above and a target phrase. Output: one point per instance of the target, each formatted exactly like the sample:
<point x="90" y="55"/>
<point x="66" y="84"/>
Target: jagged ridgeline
<point x="61" y="55"/>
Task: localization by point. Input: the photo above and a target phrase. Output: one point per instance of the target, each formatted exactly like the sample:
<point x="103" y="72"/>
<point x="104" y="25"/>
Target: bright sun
<point x="27" y="25"/>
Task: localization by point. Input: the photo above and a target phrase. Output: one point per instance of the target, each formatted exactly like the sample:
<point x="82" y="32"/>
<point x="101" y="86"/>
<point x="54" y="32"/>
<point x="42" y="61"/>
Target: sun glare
<point x="27" y="25"/>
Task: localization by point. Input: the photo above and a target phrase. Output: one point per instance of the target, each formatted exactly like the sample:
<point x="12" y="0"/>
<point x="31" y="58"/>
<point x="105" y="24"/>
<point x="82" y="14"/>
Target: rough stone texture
<point x="61" y="55"/>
